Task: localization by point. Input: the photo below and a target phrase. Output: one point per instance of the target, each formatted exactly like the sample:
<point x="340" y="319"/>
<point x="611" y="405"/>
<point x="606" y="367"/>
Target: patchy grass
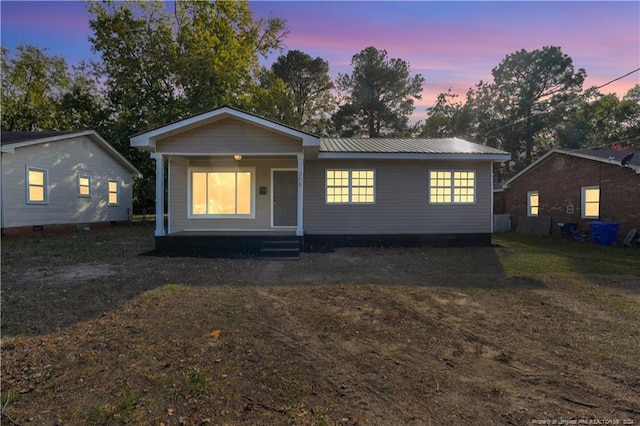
<point x="530" y="254"/>
<point x="533" y="328"/>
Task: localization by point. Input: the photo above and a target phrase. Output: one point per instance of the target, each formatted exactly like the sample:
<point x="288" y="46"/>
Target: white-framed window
<point x="84" y="186"/>
<point x="590" y="202"/>
<point x="452" y="186"/>
<point x="222" y="193"/>
<point x="114" y="194"/>
<point x="350" y="186"/>
<point x="36" y="185"/>
<point x="533" y="203"/>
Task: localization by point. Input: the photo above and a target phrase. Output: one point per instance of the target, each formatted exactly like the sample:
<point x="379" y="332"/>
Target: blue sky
<point x="452" y="44"/>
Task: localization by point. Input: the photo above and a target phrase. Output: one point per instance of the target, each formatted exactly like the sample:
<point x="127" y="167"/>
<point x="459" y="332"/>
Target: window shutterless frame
<point x="113" y="188"/>
<point x="452" y="186"/>
<point x="590" y="200"/>
<point x="36" y="185"/>
<point x="350" y="186"/>
<point x="533" y="203"/>
<point x="201" y="205"/>
<point x="84" y="186"/>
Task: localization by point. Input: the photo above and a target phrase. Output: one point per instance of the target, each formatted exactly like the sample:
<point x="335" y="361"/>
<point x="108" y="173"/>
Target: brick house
<point x="577" y="186"/>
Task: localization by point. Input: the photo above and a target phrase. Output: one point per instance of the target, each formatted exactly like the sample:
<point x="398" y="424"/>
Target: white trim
<point x="160" y="231"/>
<point x="117" y="182"/>
<point x="271" y="198"/>
<point x="583" y="202"/>
<point x="540" y="160"/>
<point x="148" y="139"/>
<point x="169" y="161"/>
<point x="253" y="201"/>
<point x="350" y="170"/>
<point x="248" y="230"/>
<point x="300" y="206"/>
<point x="529" y="194"/>
<point x="230" y="154"/>
<point x="85" y="175"/>
<point x="92" y="134"/>
<point x="453" y="203"/>
<point x="410" y="156"/>
<point x="45" y="185"/>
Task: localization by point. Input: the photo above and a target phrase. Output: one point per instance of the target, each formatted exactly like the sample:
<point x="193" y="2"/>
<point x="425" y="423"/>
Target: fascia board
<point x="412" y="156"/>
<point x="148" y="139"/>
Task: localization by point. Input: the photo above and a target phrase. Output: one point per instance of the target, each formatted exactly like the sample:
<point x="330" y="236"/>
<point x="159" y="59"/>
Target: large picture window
<point x="350" y="186"/>
<point x="452" y="187"/>
<point x="590" y="202"/>
<point x="36" y="186"/>
<point x="221" y="193"/>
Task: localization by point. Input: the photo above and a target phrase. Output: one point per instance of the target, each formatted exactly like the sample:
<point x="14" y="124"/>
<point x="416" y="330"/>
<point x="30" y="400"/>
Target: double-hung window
<point x="591" y="202"/>
<point x="36" y="180"/>
<point x="84" y="186"/>
<point x="452" y="186"/>
<point x="350" y="187"/>
<point x="533" y="203"/>
<point x="221" y="193"/>
<point x="113" y="192"/>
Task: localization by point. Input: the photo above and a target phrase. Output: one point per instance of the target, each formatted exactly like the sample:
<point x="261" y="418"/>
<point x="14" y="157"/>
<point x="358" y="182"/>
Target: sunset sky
<point x="452" y="44"/>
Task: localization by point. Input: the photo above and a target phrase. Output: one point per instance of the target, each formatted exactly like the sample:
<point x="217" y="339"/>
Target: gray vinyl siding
<point x="179" y="200"/>
<point x="64" y="160"/>
<point x="229" y="136"/>
<point x="401" y="200"/>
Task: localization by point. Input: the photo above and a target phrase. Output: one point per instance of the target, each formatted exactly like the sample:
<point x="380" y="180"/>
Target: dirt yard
<point x="93" y="332"/>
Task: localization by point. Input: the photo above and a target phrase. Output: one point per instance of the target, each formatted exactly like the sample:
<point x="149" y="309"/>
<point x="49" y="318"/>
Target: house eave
<point x="413" y="156"/>
<point x="633" y="167"/>
<point x="147" y="141"/>
<point x="92" y="134"/>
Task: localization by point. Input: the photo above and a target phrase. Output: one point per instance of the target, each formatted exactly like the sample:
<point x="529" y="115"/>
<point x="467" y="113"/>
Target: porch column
<point x="159" y="196"/>
<point x="300" y="228"/>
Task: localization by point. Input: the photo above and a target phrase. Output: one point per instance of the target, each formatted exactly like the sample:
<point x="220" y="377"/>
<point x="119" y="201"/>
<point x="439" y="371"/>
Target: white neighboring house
<point x="62" y="179"/>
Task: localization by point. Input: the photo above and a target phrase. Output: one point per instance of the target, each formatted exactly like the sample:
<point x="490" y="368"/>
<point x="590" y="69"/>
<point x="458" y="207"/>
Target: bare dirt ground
<point x="95" y="333"/>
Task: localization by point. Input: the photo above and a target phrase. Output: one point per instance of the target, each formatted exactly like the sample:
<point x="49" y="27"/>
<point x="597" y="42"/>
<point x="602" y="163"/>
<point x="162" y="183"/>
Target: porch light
<point x="237" y="157"/>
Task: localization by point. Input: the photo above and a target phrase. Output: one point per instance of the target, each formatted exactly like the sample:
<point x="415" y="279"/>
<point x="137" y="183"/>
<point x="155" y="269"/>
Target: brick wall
<point x="559" y="180"/>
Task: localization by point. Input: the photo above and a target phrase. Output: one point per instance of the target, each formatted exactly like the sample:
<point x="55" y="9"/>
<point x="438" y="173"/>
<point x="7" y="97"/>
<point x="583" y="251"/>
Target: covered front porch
<point x="249" y="194"/>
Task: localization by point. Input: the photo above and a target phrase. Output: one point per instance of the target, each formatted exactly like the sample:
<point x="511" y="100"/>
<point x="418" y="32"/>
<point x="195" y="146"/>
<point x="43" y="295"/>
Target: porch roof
<point x="147" y="140"/>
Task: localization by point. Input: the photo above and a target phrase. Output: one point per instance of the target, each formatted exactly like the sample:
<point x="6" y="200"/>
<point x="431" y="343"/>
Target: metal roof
<point x="404" y="146"/>
<point x="8" y="138"/>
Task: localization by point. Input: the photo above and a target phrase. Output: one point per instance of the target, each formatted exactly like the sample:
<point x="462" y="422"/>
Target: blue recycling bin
<point x="604" y="233"/>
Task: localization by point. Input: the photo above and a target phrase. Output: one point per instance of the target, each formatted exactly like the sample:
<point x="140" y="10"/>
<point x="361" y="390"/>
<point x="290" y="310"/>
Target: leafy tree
<point x="219" y="45"/>
<point x="528" y="87"/>
<point x="309" y="86"/>
<point x="160" y="66"/>
<point x="377" y="96"/>
<point x="270" y="98"/>
<point x="447" y="118"/>
<point x="602" y="120"/>
<point x="32" y="84"/>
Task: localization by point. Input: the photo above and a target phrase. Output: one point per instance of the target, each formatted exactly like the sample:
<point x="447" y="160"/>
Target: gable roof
<point x="607" y="156"/>
<point x="10" y="141"/>
<point x="147" y="140"/>
<point x="408" y="148"/>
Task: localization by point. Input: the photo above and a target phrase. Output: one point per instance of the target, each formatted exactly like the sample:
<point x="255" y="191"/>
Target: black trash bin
<point x="567" y="230"/>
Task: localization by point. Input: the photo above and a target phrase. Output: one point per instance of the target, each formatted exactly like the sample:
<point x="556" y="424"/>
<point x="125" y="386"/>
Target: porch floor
<point x="248" y="233"/>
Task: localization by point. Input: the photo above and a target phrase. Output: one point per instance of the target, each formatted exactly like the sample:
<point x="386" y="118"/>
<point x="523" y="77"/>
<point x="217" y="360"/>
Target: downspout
<point x="1" y="192"/>
<point x="492" y="198"/>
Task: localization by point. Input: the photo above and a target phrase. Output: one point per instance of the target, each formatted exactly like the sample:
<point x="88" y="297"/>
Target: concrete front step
<point x="280" y="249"/>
